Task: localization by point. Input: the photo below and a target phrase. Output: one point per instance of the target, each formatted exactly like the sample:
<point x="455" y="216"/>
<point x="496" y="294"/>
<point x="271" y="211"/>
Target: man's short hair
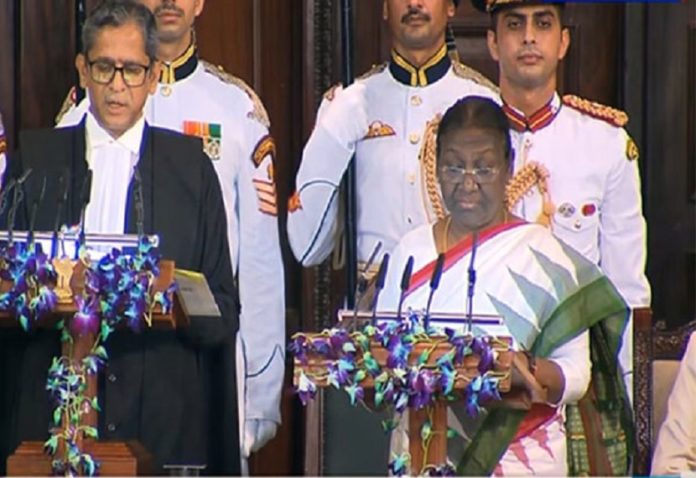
<point x="116" y="13"/>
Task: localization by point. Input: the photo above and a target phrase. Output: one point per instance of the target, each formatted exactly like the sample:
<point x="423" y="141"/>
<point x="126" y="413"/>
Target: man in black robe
<point x="172" y="391"/>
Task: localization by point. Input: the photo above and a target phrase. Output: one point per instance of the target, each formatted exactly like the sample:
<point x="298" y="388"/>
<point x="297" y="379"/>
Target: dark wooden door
<point x="669" y="159"/>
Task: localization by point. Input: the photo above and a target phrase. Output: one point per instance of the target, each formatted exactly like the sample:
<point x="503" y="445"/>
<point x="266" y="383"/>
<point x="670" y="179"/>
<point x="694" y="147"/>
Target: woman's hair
<point x="476" y="112"/>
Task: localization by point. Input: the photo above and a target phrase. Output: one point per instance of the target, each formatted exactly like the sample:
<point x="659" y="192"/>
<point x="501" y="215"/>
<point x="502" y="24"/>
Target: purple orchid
<point x="86" y="319"/>
<point x="306" y="389"/>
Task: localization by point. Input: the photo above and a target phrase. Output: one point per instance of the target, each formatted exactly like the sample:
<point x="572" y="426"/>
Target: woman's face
<point x="473" y="173"/>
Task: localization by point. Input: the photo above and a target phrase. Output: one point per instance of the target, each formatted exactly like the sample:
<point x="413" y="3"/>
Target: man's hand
<point x="345" y="117"/>
<point x="256" y="434"/>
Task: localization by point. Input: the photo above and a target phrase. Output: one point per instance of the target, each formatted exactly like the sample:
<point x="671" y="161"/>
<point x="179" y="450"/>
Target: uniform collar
<point x="433" y="69"/>
<point x="538" y="120"/>
<point x="182" y="66"/>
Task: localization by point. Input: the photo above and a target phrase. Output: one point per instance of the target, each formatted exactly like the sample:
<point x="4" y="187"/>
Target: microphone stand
<point x="84" y="199"/>
<point x="379" y="285"/>
<point x="34" y="209"/>
<point x="63" y="185"/>
<point x="361" y="285"/>
<point x="405" y="282"/>
<point x="471" y="283"/>
<point x="16" y="200"/>
<point x="434" y="284"/>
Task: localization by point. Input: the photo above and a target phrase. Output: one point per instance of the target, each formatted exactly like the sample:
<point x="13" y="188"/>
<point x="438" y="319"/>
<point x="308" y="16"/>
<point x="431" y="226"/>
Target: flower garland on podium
<point x="346" y="360"/>
<point x="118" y="292"/>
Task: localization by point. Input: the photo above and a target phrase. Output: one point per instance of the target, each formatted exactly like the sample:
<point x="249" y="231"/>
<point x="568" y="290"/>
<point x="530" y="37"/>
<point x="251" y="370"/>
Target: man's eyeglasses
<point x="104" y="71"/>
<point x="455" y="174"/>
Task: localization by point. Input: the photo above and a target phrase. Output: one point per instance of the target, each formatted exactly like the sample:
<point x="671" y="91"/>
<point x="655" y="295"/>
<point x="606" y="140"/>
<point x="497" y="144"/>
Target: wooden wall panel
<point x="225" y="33"/>
<point x="46" y="60"/>
<point x="669" y="158"/>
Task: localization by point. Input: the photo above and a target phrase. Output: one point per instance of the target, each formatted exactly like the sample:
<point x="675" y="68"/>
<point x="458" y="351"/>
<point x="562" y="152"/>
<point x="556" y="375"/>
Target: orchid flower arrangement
<point x="348" y="362"/>
<point x="33" y="277"/>
<point x="118" y="291"/>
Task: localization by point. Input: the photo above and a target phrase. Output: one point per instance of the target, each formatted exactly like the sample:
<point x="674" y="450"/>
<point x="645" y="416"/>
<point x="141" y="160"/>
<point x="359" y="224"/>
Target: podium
<point x="115" y="458"/>
<point x="426" y="450"/>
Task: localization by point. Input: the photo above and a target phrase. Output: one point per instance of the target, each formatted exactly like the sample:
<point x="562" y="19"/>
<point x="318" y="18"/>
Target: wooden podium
<point x="115" y="458"/>
<point x="316" y="366"/>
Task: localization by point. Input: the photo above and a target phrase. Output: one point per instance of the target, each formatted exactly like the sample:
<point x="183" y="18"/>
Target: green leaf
<point x="424" y="356"/>
<point x="360" y="375"/>
<point x="57" y="414"/>
<point x="51" y="444"/>
<point x="426" y="430"/>
<point x="91" y="432"/>
<point x="101" y="352"/>
<point x="105" y="330"/>
<point x="95" y="404"/>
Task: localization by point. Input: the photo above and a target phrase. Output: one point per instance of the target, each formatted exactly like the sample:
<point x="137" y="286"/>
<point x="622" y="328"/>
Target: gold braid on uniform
<point x="597" y="110"/>
<point x="259" y="112"/>
<point x="428" y="160"/>
<point x="466" y="72"/>
<point x="532" y="174"/>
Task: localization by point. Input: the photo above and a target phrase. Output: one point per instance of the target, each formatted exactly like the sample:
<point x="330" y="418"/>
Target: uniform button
<point x="112" y="378"/>
<point x="166" y="90"/>
<point x="414" y="138"/>
<point x="412" y="178"/>
<point x="410" y="220"/>
<point x="111" y="427"/>
<point x="416" y="100"/>
<point x="577" y="225"/>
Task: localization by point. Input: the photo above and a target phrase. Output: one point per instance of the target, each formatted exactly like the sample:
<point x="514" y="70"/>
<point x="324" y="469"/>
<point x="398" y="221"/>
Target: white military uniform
<point x="594" y="192"/>
<point x="399" y="101"/>
<point x="197" y="98"/>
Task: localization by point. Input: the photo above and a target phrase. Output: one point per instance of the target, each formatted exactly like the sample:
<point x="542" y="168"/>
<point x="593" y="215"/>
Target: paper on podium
<point x="194" y="294"/>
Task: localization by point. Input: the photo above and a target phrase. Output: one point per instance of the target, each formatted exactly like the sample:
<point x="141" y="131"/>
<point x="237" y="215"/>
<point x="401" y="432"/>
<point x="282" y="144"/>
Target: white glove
<point x="345" y="117"/>
<point x="257" y="432"/>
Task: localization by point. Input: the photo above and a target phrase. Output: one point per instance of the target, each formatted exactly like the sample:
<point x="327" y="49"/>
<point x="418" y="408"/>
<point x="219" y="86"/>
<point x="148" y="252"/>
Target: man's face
<point x="528" y="43"/>
<point x="473" y="201"/>
<point x="116" y="105"/>
<point x="174" y="17"/>
<point x="417" y="24"/>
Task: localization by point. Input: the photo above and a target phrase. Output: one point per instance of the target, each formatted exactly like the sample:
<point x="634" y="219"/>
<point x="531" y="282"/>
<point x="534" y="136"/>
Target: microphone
<point x="34" y="209"/>
<point x="139" y="202"/>
<point x="63" y="187"/>
<point x="85" y="194"/>
<point x="434" y="284"/>
<point x="361" y="285"/>
<point x="471" y="273"/>
<point x="16" y="200"/>
<point x="405" y="282"/>
<point x="4" y="193"/>
<point x="379" y="285"/>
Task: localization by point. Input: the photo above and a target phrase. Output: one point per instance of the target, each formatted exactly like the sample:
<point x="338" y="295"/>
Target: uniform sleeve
<point x="622" y="241"/>
<point x="214" y="264"/>
<point x="261" y="278"/>
<point x="312" y="218"/>
<point x="675" y="451"/>
<point x="71" y="114"/>
<point x="573" y="358"/>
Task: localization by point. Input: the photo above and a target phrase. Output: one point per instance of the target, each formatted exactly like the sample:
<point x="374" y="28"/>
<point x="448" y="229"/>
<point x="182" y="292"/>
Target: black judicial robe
<point x="173" y="391"/>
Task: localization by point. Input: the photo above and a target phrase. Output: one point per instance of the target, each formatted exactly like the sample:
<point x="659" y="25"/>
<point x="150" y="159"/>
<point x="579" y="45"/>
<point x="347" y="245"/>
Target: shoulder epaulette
<point x="68" y="103"/>
<point x="259" y="112"/>
<point x="596" y="110"/>
<point x="330" y="94"/>
<point x="468" y="73"/>
<point x="373" y="71"/>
